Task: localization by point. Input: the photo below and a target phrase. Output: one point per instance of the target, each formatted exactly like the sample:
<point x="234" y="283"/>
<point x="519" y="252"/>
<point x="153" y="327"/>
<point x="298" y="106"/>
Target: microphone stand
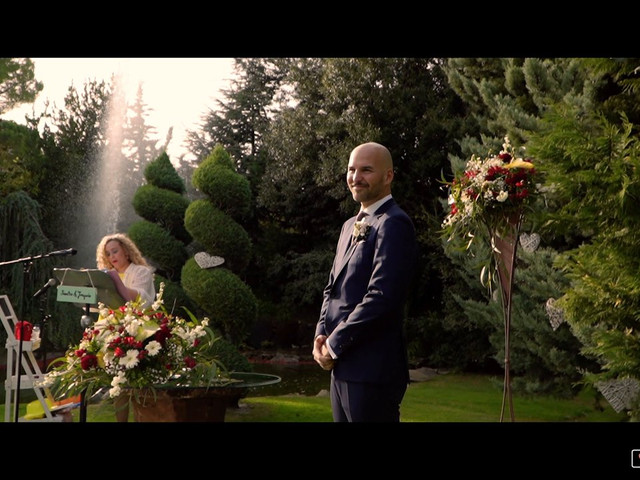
<point x="83" y="395"/>
<point x="27" y="263"/>
<point x="43" y="326"/>
<point x="27" y="267"/>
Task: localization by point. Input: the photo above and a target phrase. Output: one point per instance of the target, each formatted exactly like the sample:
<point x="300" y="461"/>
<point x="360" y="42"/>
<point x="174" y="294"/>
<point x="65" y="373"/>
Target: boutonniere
<point x="361" y="231"/>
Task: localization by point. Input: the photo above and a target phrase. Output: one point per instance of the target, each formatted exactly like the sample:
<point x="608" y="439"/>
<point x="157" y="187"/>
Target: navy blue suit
<point x="363" y="304"/>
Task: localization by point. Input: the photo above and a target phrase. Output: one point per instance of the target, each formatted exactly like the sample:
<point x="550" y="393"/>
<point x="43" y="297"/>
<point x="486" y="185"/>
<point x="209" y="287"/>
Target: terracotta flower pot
<point x="182" y="404"/>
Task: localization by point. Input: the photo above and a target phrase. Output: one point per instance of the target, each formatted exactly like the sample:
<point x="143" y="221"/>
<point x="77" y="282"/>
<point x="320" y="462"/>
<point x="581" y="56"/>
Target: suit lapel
<point x="347" y="247"/>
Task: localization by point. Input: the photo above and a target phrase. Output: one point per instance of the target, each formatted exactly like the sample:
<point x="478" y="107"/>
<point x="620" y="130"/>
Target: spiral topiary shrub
<point x="226" y="189"/>
<point x="158" y="245"/>
<point x="162" y="174"/>
<point x="227" y="300"/>
<point x="164" y="207"/>
<point x="175" y="299"/>
<point x="219" y="234"/>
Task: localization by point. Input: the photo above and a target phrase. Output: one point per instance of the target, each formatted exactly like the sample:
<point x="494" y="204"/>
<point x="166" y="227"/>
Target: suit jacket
<point x="363" y="303"/>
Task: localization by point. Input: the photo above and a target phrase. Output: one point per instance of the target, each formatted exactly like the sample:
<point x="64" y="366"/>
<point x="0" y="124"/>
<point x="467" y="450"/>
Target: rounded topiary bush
<point x="226" y="300"/>
<point x="219" y="234"/>
<point x="232" y="359"/>
<point x="166" y="252"/>
<point x="174" y="298"/>
<point x="164" y="207"/>
<point x="226" y="189"/>
<point x="161" y="173"/>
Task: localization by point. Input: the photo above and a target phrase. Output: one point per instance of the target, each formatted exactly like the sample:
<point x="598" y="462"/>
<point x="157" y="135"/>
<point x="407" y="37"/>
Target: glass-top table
<point x="236" y="380"/>
<point x="253" y="379"/>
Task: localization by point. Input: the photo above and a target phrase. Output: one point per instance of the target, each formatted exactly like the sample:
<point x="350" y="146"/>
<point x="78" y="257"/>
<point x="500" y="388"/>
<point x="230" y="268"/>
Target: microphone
<point x="46" y="286"/>
<point x="62" y="253"/>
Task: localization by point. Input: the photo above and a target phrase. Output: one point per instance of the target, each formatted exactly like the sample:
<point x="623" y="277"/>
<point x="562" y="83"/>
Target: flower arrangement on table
<point x="490" y="193"/>
<point x="134" y="347"/>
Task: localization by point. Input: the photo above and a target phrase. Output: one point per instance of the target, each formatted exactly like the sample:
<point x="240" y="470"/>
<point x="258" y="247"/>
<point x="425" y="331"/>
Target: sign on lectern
<point x="87" y="287"/>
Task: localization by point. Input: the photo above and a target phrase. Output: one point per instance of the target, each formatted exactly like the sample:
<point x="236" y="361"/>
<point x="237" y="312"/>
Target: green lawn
<point x="445" y="398"/>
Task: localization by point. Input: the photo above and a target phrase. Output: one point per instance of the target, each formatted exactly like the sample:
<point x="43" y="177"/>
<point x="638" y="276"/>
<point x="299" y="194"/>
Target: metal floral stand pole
<point x="504" y="251"/>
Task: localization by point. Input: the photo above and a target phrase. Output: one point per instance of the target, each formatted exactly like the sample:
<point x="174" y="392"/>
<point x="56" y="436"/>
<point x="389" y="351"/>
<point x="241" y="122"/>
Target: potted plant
<point x="161" y="360"/>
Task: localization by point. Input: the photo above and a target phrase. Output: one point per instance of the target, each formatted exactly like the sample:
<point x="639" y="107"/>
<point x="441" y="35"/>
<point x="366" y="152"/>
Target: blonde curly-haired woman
<point x="131" y="273"/>
<point x="133" y="277"/>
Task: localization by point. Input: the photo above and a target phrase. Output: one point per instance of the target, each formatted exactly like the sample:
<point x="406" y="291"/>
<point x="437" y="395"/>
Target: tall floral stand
<point x="504" y="246"/>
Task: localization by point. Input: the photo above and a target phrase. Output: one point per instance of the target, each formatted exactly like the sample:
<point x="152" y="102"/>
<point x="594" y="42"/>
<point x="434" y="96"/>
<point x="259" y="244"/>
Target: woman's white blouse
<point x="140" y="278"/>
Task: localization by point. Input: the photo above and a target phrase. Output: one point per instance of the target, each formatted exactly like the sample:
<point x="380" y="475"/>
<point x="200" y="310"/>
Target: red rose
<point x="88" y="361"/>
<point x="162" y="334"/>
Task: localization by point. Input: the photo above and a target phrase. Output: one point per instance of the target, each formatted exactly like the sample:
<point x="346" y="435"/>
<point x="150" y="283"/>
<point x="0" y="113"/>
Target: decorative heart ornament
<point x="529" y="242"/>
<point x="555" y="314"/>
<point x="619" y="393"/>
<point x="208" y="261"/>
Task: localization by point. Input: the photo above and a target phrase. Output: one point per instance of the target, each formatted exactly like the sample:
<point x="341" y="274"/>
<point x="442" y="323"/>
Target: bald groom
<point x="360" y="334"/>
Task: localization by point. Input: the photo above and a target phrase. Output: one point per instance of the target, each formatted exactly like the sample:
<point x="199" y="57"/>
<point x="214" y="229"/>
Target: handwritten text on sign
<point x="77" y="294"/>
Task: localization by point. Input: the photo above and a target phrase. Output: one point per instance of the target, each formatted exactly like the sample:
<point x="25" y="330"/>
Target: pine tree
<point x="592" y="159"/>
<point x="511" y="97"/>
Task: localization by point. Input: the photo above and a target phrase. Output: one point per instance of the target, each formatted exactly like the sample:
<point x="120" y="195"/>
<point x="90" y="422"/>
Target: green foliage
<point x="508" y="96"/>
<point x="218" y="156"/>
<point x="514" y="97"/>
<point x="164" y="207"/>
<point x="174" y="297"/>
<point x="219" y="234"/>
<point x="213" y="224"/>
<point x="64" y="328"/>
<point x="230" y="356"/>
<point x="541" y="359"/>
<point x="21" y="160"/>
<point x="239" y="122"/>
<point x="161" y="173"/>
<point x="544" y="360"/>
<point x="164" y="250"/>
<point x="71" y="140"/>
<point x="299" y="289"/>
<point x="226" y="189"/>
<point x="592" y="159"/>
<point x="584" y="139"/>
<point x="592" y="167"/>
<point x="329" y="107"/>
<point x="17" y="83"/>
<point x="21" y="237"/>
<point x="225" y="299"/>
<point x="618" y="87"/>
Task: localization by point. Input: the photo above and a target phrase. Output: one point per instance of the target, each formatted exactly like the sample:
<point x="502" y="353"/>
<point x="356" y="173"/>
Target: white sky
<point x="177" y="91"/>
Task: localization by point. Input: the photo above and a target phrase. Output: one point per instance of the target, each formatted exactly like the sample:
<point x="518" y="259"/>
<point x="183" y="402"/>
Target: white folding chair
<point x="16" y="362"/>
